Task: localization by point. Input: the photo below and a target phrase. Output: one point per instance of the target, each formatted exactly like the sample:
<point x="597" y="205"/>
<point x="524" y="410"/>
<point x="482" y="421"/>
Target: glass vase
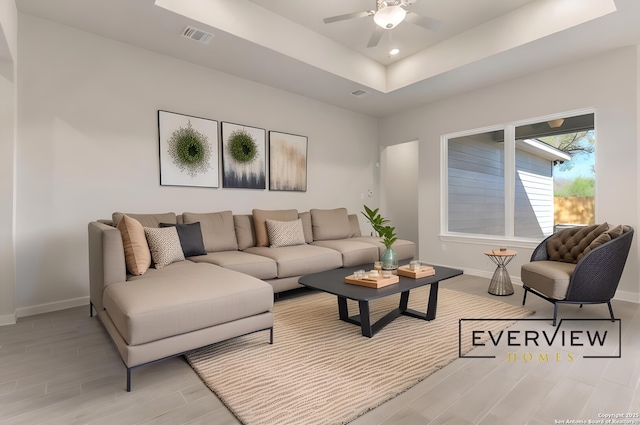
<point x="389" y="259"/>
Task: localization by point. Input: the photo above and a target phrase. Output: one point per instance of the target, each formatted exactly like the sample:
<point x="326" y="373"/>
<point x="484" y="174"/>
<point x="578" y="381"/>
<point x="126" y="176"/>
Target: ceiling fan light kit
<point x="389" y="16"/>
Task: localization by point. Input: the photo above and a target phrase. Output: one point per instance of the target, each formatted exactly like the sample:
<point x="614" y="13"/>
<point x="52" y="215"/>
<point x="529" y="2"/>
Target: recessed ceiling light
<point x="393" y="52"/>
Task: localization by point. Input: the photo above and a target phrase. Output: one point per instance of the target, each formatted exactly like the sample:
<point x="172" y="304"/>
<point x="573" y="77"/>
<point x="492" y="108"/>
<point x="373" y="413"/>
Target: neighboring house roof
<point x="542" y="150"/>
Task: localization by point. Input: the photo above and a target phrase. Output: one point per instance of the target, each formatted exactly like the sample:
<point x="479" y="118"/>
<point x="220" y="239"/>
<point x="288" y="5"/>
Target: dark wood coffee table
<point x="332" y="281"/>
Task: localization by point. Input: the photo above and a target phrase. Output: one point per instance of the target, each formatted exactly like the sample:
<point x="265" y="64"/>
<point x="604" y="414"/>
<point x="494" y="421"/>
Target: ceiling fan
<point x="388" y="15"/>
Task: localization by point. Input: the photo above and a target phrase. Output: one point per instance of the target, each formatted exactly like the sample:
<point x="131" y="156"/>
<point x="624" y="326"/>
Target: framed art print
<point x="287" y="162"/>
<point x="243" y="157"/>
<point x="188" y="150"/>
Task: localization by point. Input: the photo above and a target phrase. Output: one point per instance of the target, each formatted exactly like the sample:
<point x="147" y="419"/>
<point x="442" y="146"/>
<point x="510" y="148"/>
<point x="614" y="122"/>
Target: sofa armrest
<point x="106" y="260"/>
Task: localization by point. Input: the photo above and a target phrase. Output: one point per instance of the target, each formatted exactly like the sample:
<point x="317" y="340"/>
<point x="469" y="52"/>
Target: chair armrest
<point x="598" y="273"/>
<point x="540" y="253"/>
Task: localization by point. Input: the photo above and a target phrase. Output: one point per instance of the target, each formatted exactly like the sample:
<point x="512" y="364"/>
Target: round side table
<point x="501" y="282"/>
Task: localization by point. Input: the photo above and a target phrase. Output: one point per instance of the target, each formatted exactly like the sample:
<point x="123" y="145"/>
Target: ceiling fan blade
<point x="423" y="21"/>
<point x="354" y="15"/>
<point x="378" y="32"/>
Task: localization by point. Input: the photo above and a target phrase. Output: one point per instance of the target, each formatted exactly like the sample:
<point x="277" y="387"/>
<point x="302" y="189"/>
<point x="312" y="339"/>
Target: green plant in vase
<point x="387" y="233"/>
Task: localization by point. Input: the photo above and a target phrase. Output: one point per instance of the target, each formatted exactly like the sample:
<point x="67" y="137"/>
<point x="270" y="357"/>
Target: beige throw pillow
<point x="285" y="233"/>
<point x="164" y="245"/>
<point x="136" y="250"/>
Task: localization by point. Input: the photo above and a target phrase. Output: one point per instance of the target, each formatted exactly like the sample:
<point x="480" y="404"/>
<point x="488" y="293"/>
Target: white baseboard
<point x="631" y="297"/>
<point x="49" y="307"/>
<point x="8" y="319"/>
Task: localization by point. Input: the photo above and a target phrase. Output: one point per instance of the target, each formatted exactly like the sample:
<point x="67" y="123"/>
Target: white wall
<point x="608" y="83"/>
<point x="8" y="61"/>
<point x="88" y="146"/>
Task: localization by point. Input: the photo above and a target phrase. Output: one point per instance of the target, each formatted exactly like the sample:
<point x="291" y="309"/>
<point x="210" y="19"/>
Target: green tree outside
<point x="581" y="187"/>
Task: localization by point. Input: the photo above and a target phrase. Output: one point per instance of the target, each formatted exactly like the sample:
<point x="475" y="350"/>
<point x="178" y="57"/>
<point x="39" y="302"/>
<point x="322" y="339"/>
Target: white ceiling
<point x="285" y="44"/>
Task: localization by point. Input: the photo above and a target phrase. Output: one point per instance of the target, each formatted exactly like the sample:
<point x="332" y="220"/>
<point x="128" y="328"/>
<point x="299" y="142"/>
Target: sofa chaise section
<point x="166" y="312"/>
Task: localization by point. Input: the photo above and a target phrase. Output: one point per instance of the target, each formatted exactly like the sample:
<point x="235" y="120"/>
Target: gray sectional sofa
<point x="227" y="290"/>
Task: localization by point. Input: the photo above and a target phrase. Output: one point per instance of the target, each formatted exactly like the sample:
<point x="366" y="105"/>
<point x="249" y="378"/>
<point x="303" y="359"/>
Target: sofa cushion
<point x="285" y="233"/>
<point x="243" y="262"/>
<point x="260" y="225"/>
<point x="300" y="260"/>
<point x="306" y="226"/>
<point x="354" y="224"/>
<point x="353" y="252"/>
<point x="245" y="232"/>
<point x="218" y="229"/>
<point x="183" y="297"/>
<point x="568" y="245"/>
<point x="330" y="224"/>
<point x="550" y="278"/>
<point x="137" y="256"/>
<point x="147" y="220"/>
<point x="164" y="245"/>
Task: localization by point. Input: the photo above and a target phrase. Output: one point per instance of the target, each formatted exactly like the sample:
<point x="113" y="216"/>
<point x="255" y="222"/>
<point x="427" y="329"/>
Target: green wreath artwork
<point x="190" y="150"/>
<point x="242" y="146"/>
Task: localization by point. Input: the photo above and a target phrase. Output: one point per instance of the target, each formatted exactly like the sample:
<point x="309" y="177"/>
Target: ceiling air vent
<point x="197" y="35"/>
<point x="360" y="93"/>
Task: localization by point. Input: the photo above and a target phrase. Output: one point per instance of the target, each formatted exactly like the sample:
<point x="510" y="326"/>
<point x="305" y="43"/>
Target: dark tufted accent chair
<point x="584" y="266"/>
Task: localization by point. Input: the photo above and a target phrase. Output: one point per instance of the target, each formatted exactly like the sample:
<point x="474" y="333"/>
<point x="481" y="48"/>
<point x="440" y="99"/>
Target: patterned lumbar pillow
<point x="285" y="233"/>
<point x="164" y="245"/>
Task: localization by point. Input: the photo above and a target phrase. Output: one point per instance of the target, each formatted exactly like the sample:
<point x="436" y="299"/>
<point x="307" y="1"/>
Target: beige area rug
<point x="321" y="370"/>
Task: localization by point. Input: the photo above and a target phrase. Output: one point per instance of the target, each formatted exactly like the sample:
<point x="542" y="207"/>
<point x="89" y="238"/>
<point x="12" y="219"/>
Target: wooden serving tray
<point x="423" y="271"/>
<point x="372" y="282"/>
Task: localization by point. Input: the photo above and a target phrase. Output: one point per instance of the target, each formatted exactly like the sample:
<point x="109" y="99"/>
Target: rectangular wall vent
<point x="197" y="35"/>
<point x="360" y="93"/>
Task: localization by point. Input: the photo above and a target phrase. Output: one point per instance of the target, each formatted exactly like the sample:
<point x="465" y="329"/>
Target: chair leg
<point x="524" y="299"/>
<point x="555" y="313"/>
<point x="611" y="311"/>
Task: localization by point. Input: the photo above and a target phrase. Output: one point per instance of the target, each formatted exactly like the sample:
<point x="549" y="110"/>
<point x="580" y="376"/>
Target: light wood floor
<point x="61" y="368"/>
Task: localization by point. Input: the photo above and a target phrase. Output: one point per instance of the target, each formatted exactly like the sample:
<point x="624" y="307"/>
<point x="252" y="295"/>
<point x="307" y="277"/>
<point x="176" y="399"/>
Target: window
<point x="520" y="181"/>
